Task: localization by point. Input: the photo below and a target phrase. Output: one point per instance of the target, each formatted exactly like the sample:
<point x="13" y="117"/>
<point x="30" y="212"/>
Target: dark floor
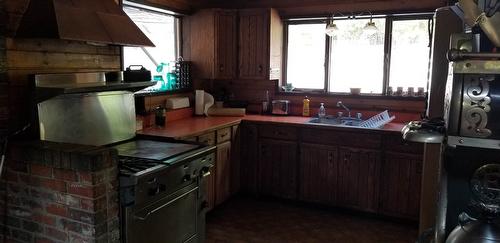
<point x="249" y="220"/>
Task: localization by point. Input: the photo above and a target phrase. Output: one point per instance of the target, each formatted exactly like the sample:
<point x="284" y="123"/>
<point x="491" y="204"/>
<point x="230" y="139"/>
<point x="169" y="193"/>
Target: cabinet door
<point x="318" y="173"/>
<point x="278" y="168"/>
<point x="400" y="190"/>
<point x="254" y="44"/>
<point x="358" y="178"/>
<point x="225" y="44"/>
<point x="249" y="158"/>
<point x="223" y="173"/>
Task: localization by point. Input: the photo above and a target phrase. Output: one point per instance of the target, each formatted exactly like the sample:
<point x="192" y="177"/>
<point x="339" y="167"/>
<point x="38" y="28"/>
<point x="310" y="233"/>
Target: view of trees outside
<point x="409" y="54"/>
<point x="306" y="56"/>
<point x="357" y="57"/>
<point x="160" y="29"/>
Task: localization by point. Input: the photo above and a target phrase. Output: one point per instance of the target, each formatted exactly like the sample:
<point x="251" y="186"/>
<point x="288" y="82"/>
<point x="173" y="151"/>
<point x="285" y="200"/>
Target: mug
<point x="399" y="91"/>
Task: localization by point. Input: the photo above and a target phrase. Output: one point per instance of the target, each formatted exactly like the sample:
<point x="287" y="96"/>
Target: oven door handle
<point x="164" y="205"/>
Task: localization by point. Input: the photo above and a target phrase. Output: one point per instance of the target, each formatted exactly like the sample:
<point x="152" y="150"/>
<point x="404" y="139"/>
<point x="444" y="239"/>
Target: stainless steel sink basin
<point x="336" y="121"/>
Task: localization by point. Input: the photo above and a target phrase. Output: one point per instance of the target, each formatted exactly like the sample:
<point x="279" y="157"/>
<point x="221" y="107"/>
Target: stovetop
<point x="142" y="156"/>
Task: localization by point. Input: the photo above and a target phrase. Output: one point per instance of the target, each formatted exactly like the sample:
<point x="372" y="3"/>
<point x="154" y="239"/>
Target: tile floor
<point x="248" y="220"/>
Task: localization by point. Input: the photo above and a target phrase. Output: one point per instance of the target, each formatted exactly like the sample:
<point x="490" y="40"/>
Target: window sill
<point x="348" y="95"/>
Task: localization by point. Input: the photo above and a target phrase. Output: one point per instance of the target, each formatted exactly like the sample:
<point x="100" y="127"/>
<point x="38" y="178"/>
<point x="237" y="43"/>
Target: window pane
<point x="409" y="54"/>
<point x="357" y="57"/>
<point x="160" y="29"/>
<point x="306" y="56"/>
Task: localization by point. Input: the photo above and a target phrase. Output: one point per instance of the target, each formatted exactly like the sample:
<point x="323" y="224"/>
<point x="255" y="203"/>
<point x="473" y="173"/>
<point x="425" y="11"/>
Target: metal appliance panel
<point x="91" y="118"/>
<point x="173" y="219"/>
<point x="473" y="100"/>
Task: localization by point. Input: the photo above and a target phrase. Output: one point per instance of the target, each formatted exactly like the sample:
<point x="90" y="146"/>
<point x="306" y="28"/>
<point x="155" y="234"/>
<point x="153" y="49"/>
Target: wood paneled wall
<point x="25" y="57"/>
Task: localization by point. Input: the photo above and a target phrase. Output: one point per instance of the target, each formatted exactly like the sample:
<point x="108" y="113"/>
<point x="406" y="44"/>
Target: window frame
<point x="177" y="26"/>
<point x="389" y="20"/>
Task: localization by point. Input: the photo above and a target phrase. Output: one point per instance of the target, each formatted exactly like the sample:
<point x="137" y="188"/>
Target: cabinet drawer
<point x="278" y="132"/>
<point x="395" y="143"/>
<point x="208" y="138"/>
<point x="223" y="135"/>
<point x="329" y="137"/>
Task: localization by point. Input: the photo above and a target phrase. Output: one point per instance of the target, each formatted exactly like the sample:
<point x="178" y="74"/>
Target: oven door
<point x="172" y="219"/>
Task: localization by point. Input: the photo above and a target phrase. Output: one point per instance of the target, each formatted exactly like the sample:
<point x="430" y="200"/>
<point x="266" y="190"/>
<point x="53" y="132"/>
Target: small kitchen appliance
<point x="280" y="107"/>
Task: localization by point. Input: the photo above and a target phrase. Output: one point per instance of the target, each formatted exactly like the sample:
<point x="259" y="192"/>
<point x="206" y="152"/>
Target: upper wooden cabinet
<point x="260" y="44"/>
<point x="229" y="44"/>
<point x="210" y="42"/>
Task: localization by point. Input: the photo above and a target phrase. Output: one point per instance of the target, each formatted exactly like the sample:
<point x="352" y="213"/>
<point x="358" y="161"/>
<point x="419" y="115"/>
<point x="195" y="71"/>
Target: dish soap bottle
<point x="305" y="106"/>
<point x="322" y="111"/>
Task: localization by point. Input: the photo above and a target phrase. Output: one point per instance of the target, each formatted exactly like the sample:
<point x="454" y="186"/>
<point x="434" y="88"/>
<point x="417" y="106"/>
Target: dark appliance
<point x="162" y="190"/>
<point x="162" y="185"/>
<point x="470" y="136"/>
<point x="466" y="134"/>
<point x="136" y="73"/>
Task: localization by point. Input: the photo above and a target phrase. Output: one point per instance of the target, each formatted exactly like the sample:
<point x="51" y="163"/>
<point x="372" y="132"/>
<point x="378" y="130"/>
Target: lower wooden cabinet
<point x="318" y="173"/>
<point x="223" y="173"/>
<point x="278" y="168"/>
<point x="249" y="158"/>
<point x="340" y="176"/>
<point x="358" y="178"/>
<point x="401" y="181"/>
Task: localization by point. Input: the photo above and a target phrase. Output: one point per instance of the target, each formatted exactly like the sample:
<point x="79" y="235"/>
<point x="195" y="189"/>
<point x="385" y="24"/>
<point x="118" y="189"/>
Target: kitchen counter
<point x="195" y="126"/>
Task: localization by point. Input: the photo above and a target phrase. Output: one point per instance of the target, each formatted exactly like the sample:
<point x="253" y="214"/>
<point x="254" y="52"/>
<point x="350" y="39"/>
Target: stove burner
<point x="130" y="165"/>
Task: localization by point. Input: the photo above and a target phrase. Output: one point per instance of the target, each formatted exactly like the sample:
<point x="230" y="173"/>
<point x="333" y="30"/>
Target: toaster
<point x="280" y="107"/>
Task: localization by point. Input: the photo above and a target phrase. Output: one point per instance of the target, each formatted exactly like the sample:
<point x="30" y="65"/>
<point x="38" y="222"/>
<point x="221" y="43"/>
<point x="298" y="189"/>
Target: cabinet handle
<point x="221" y="68"/>
<point x="260" y="68"/>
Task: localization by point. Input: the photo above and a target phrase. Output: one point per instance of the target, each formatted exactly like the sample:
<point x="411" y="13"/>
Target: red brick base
<point x="59" y="193"/>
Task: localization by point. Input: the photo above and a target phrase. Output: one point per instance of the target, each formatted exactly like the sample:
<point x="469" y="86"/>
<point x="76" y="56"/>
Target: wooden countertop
<point x="195" y="126"/>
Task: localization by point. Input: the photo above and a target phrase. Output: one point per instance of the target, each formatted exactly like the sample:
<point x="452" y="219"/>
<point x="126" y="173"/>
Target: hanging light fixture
<point x="331" y="28"/>
<point x="370" y="27"/>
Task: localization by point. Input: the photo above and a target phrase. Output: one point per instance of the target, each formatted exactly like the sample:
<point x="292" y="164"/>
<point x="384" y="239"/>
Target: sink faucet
<point x="340" y="104"/>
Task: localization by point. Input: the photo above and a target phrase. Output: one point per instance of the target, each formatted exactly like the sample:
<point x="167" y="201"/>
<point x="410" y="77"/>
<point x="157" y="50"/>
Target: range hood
<point x="51" y="85"/>
<point x="98" y="21"/>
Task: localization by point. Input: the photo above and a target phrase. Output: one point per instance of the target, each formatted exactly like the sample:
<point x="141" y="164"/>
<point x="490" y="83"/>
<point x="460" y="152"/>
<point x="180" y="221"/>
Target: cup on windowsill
<point x="355" y="91"/>
<point x="399" y="91"/>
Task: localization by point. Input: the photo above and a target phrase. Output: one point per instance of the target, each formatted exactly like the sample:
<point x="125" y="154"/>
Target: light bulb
<point x="331" y="29"/>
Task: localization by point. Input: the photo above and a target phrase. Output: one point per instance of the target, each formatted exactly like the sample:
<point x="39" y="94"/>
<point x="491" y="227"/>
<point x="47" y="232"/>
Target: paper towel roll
<point x="199" y="107"/>
<point x="208" y="101"/>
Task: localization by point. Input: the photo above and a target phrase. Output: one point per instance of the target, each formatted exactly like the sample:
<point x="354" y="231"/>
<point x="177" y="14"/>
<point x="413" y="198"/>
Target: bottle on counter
<point x="305" y="107"/>
<point x="322" y="111"/>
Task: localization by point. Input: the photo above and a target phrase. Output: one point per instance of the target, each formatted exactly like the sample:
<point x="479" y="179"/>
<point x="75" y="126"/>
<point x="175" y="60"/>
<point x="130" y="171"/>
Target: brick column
<point x="53" y="192"/>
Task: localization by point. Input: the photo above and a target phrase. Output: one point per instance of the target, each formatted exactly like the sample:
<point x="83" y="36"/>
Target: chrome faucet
<point x="340" y="104"/>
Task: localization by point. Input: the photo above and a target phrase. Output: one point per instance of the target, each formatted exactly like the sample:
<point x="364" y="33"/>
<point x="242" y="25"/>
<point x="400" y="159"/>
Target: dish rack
<point x="378" y="121"/>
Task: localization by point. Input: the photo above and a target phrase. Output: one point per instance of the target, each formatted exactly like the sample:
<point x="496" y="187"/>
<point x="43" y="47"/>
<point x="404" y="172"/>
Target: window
<point x="396" y="55"/>
<point x="161" y="28"/>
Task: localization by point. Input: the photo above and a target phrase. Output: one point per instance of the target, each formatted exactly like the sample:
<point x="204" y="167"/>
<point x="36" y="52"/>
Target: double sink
<point x="337" y="121"/>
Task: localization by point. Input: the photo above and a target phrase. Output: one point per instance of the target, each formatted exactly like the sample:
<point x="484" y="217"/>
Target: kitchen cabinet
<point x="400" y="192"/>
<point x="318" y="173"/>
<point x="358" y="178"/>
<point x="368" y="171"/>
<point x="249" y="158"/>
<point x="210" y="42"/>
<point x="223" y="172"/>
<point x="220" y="183"/>
<point x="278" y="168"/>
<point x="260" y="44"/>
<point x="341" y="176"/>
